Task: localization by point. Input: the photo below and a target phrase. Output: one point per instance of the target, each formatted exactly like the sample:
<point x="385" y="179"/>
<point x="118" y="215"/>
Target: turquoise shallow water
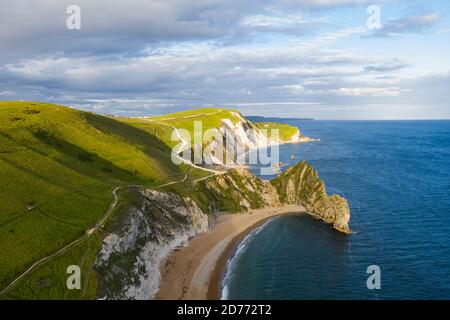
<point x="396" y="177"/>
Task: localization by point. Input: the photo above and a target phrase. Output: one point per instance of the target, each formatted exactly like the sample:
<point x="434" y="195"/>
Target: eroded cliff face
<point x="238" y="191"/>
<point x="301" y="184"/>
<point x="157" y="222"/>
<point x="154" y="223"/>
<point x="235" y="138"/>
<point x="151" y="227"/>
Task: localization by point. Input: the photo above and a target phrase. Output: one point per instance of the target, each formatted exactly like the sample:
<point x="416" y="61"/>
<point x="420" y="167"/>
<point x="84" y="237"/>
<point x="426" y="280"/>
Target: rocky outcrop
<point x="238" y="191"/>
<point x="158" y="222"/>
<point x="151" y="227"/>
<point x="300" y="184"/>
<point x="235" y="137"/>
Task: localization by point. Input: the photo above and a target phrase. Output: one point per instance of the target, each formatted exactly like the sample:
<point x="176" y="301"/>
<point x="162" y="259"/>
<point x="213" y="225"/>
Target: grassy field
<point x="58" y="167"/>
<point x="161" y="126"/>
<point x="286" y="132"/>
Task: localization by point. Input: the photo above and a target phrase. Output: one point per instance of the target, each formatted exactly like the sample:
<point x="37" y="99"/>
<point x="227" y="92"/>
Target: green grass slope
<point x="286" y="131"/>
<point x="161" y="126"/>
<point x="58" y="167"/>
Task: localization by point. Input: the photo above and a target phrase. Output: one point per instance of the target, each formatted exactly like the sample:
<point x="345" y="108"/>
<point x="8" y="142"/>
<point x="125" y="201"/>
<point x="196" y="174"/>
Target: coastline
<point x="195" y="271"/>
<point x="215" y="284"/>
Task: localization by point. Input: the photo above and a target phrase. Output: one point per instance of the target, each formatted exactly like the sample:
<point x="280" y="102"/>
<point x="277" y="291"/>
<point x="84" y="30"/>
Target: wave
<point x="233" y="261"/>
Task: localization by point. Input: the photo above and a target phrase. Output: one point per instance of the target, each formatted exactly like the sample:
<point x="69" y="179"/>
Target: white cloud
<point x="190" y="70"/>
<point x="254" y="53"/>
<point x="372" y="92"/>
<point x="7" y="93"/>
<point x="410" y="24"/>
<point x="271" y="21"/>
<point x="331" y="3"/>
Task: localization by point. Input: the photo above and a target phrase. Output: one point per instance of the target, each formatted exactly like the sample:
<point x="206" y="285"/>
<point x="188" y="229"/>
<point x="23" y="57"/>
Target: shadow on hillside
<point x="145" y="141"/>
<point x="92" y="166"/>
<point x="84" y="162"/>
<point x="12" y="161"/>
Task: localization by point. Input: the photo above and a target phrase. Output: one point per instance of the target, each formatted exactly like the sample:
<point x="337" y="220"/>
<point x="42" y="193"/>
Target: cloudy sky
<point x="296" y="58"/>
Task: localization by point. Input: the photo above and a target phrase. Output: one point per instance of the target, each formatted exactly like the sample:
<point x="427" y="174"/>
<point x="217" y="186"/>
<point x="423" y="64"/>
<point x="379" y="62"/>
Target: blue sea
<point x="396" y="178"/>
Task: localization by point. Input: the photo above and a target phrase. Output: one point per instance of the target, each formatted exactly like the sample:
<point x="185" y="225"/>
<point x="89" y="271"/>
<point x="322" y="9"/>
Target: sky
<point x="320" y="59"/>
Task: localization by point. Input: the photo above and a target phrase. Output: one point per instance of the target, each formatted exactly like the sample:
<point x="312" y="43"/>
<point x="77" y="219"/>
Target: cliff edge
<point x="301" y="184"/>
<point x="239" y="190"/>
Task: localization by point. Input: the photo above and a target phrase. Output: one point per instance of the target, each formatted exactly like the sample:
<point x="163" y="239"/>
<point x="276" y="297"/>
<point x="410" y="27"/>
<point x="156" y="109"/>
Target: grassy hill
<point x="286" y="131"/>
<point x="161" y="126"/>
<point x="58" y="167"/>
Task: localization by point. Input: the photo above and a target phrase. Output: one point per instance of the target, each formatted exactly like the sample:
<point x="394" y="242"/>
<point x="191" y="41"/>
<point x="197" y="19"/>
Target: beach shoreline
<point x="195" y="271"/>
<point x="215" y="283"/>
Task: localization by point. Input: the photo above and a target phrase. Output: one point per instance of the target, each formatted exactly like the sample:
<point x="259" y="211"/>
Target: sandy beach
<point x="195" y="271"/>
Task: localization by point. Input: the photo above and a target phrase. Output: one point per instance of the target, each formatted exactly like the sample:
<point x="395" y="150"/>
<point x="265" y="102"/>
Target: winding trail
<point x="175" y="182"/>
<point x="184" y="143"/>
<point x="113" y="204"/>
<point x="89" y="232"/>
<point x="192" y="116"/>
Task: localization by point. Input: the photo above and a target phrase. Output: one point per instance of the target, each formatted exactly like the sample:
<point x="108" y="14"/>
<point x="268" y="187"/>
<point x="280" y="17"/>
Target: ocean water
<point x="396" y="178"/>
